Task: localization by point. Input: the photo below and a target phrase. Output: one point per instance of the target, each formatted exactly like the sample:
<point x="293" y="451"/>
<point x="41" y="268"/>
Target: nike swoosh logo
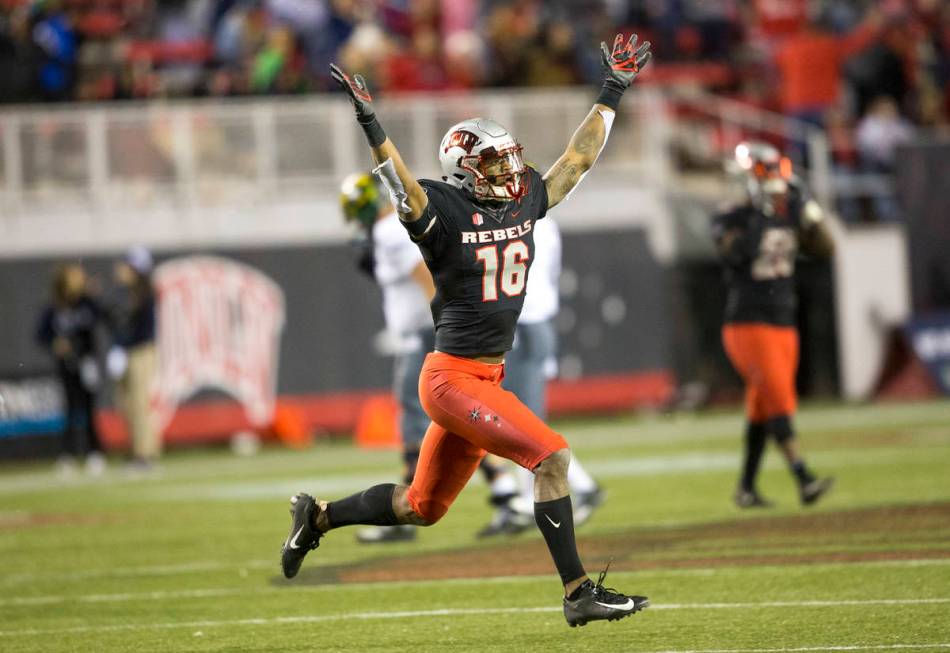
<point x="293" y="540"/>
<point x="555" y="524"/>
<point x="515" y="214"/>
<point x="626" y="606"/>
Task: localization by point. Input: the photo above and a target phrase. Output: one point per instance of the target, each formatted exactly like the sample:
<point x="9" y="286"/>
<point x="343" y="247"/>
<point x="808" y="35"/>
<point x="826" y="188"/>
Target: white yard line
<point x="454" y="612"/>
<point x="185" y="568"/>
<point x="122" y="597"/>
<point x="805" y="649"/>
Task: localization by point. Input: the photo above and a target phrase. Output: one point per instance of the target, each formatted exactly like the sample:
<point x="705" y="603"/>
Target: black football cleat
<point x="813" y="490"/>
<point x="596" y="602"/>
<point x="303" y="537"/>
<point x="384" y="534"/>
<point x="750" y="499"/>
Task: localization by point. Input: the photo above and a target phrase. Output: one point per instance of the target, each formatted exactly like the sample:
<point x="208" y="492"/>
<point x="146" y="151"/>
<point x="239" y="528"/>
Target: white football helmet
<point x="480" y="156"/>
<point x="765" y="166"/>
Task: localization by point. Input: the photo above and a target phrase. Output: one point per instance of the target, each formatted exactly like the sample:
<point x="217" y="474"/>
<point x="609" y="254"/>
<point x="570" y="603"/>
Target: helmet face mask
<point x="480" y="157"/>
<point x="765" y="166"/>
<point x="498" y="175"/>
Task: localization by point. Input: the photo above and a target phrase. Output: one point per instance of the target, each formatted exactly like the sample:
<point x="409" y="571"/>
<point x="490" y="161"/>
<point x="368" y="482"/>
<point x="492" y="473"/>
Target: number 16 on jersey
<point x="514" y="269"/>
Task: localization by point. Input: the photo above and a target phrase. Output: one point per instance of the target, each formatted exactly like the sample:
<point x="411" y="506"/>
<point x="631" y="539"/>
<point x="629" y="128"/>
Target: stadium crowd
<point x="868" y="71"/>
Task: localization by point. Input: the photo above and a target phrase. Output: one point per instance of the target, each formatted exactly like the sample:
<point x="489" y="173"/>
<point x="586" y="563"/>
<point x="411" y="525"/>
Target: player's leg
<point x="780" y="403"/>
<point x="528" y="366"/>
<point x="740" y="343"/>
<point x="136" y="389"/>
<point x="72" y="430"/>
<point x="95" y="463"/>
<point x="446" y="462"/>
<point x="516" y="514"/>
<point x="465" y="397"/>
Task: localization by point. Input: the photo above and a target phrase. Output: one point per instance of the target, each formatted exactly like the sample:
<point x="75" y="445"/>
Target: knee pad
<point x="781" y="428"/>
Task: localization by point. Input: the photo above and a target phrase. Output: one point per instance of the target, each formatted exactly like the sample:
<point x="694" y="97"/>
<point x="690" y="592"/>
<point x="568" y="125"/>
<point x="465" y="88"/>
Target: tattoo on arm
<point x="580" y="155"/>
<point x="589" y="138"/>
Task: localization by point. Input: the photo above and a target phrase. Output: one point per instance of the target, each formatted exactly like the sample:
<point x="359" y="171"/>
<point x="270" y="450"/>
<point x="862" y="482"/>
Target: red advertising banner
<point x="219" y="326"/>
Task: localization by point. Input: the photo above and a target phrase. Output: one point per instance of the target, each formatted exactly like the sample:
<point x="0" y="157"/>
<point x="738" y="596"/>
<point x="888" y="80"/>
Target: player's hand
<point x="624" y="63"/>
<point x="358" y="92"/>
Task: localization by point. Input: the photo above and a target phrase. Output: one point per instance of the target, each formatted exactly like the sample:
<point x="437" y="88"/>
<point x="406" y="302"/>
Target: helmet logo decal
<point x="463" y="139"/>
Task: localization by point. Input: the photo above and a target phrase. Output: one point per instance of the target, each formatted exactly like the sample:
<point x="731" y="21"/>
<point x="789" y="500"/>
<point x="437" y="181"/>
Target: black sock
<point x="556" y="521"/>
<point x="411" y="459"/>
<point x="801" y="472"/>
<point x="373" y="507"/>
<point x="755" y="438"/>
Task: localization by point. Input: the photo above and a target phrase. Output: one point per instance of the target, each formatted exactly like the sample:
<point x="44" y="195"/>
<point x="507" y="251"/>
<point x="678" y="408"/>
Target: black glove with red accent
<point x="621" y="67"/>
<point x="358" y="92"/>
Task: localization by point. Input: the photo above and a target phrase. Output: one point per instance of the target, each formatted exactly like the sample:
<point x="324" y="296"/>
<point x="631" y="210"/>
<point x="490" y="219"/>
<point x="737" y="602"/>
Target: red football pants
<point x="471" y="415"/>
<point x="766" y="357"/>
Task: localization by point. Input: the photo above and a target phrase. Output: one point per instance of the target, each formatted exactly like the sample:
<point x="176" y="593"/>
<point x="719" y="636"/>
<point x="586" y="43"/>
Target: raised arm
<point x="621" y="67"/>
<point x="407" y="195"/>
<point x="816" y="236"/>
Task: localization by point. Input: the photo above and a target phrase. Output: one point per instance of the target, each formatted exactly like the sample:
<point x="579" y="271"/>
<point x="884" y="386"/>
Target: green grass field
<point x="188" y="561"/>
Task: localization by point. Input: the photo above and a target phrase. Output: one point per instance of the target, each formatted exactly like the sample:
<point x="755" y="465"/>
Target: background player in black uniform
<point x="758" y="242"/>
<point x="475" y="231"/>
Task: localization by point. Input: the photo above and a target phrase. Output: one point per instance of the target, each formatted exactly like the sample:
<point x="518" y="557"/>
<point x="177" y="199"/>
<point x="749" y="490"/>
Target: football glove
<point x="357" y="91"/>
<point x="623" y="63"/>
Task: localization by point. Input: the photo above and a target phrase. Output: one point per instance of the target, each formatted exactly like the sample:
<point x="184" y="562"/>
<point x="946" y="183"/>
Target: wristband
<point x="374" y="132"/>
<point x="610" y="95"/>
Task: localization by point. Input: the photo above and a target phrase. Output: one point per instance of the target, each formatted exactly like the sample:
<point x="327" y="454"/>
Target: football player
<point x="475" y="230"/>
<point x="758" y="242"/>
<point x="396" y="264"/>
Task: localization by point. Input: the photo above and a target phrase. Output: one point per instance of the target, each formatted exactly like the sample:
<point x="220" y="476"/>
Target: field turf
<point x="188" y="560"/>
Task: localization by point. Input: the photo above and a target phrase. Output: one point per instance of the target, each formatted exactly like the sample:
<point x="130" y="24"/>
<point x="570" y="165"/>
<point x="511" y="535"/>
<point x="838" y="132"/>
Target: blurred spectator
<point x="56" y="45"/>
<point x="131" y="360"/>
<point x="419" y="67"/>
<point x="879" y="134"/>
<point x="16" y="82"/>
<point x="809" y="64"/>
<point x="67" y="328"/>
<point x="272" y="60"/>
<point x="882" y="68"/>
<point x="551" y="60"/>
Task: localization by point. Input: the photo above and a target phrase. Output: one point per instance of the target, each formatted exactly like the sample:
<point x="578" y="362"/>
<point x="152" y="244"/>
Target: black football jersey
<point x="760" y="267"/>
<point x="479" y="256"/>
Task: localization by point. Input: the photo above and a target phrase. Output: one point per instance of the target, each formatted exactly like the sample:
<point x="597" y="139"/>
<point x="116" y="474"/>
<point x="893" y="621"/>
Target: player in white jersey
<point x="396" y="264"/>
<point x="529" y="365"/>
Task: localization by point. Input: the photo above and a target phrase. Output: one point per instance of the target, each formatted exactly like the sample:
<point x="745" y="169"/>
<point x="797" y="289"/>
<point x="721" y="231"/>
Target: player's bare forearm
<point x="818" y="241"/>
<point x="416" y="197"/>
<point x="621" y="65"/>
<point x="579" y="157"/>
<point x="406" y="193"/>
<point x="816" y="236"/>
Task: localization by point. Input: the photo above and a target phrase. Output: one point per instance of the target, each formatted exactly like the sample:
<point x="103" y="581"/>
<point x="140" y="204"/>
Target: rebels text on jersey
<point x="760" y="261"/>
<point x="479" y="255"/>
